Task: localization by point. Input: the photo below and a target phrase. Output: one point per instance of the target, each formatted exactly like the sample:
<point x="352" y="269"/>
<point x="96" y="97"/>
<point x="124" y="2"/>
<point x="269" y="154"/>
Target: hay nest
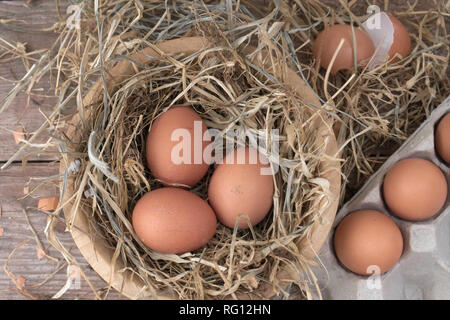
<point x="234" y="89"/>
<point x="378" y="109"/>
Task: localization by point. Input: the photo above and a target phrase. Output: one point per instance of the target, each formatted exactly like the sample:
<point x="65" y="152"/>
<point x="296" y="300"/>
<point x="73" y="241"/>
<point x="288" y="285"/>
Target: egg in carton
<point x="423" y="270"/>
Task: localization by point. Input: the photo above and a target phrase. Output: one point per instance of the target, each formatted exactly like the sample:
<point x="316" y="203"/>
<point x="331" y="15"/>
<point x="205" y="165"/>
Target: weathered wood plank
<point x="24" y="112"/>
<point x="20" y="116"/>
<point x="16" y="230"/>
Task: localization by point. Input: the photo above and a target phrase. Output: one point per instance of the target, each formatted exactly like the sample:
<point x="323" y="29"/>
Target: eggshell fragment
<point x="367" y="242"/>
<point x="20" y="282"/>
<point x="327" y="43"/>
<point x="19" y="135"/>
<point x="40" y="253"/>
<point x="173" y="220"/>
<point x="241" y="186"/>
<point x="442" y="138"/>
<point x="390" y="38"/>
<point x="164" y="147"/>
<point x="48" y="204"/>
<point x="415" y="189"/>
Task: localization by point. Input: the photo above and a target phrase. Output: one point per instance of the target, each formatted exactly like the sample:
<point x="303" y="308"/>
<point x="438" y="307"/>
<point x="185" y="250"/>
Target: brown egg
<point x="175" y="147"/>
<point x="328" y="41"/>
<point x="368" y="241"/>
<point x="402" y="40"/>
<point x="415" y="189"/>
<point x="442" y="138"/>
<point x="390" y="37"/>
<point x="241" y="186"/>
<point x="173" y="220"/>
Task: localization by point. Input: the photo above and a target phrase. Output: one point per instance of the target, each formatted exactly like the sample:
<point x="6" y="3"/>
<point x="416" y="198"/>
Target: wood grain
<point x="26" y="28"/>
<point x="16" y="230"/>
<point x="13" y="223"/>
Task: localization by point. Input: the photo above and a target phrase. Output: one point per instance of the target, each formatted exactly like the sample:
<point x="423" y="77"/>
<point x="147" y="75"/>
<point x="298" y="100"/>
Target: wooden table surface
<point x="16" y="232"/>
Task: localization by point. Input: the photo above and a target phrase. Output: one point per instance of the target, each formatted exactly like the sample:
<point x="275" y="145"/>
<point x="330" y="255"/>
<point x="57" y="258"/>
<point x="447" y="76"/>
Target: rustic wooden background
<point x="38" y="15"/>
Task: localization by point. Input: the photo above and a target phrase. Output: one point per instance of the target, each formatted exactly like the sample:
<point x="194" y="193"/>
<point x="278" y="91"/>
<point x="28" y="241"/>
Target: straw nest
<point x="374" y="112"/>
<point x="377" y="109"/>
<point x="231" y="92"/>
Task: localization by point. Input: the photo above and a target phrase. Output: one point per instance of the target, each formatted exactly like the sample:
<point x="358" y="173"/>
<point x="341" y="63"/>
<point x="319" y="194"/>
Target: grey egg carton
<point x="423" y="271"/>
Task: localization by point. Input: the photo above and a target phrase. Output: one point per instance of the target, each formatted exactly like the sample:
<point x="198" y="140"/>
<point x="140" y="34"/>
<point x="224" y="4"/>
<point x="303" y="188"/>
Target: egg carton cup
<point x="423" y="271"/>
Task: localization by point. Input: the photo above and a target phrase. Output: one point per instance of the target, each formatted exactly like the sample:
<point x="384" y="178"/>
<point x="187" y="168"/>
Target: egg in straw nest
<point x="394" y="93"/>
